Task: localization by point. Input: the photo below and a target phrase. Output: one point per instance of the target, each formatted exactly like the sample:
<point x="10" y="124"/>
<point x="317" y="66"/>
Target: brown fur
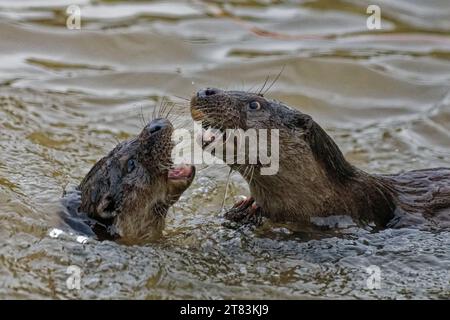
<point x="314" y="178"/>
<point x="127" y="194"/>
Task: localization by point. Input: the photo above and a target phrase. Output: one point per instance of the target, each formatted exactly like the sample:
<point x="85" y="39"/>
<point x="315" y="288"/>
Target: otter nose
<point x="158" y="124"/>
<point x="207" y="92"/>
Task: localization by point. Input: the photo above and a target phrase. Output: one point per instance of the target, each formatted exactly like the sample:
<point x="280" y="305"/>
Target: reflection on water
<point x="66" y="96"/>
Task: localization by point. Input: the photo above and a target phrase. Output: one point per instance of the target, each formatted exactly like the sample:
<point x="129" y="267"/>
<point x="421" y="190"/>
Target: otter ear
<point x="106" y="206"/>
<point x="323" y="147"/>
<point x="100" y="188"/>
<point x="300" y="121"/>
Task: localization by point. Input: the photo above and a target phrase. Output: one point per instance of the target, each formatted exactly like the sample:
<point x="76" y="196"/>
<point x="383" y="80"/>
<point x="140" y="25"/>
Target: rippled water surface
<point x="67" y="96"/>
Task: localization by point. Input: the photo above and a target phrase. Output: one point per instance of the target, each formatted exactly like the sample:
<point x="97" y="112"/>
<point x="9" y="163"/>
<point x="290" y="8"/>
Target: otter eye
<point x="131" y="165"/>
<point x="254" y="105"/>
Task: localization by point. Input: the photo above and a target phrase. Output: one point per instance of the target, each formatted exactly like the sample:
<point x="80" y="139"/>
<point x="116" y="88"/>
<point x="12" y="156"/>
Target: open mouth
<point x="181" y="172"/>
<point x="196" y="113"/>
<point x="210" y="135"/>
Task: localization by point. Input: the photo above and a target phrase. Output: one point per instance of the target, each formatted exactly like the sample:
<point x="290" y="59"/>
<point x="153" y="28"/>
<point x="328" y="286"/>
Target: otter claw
<point x="243" y="204"/>
<point x="245" y="212"/>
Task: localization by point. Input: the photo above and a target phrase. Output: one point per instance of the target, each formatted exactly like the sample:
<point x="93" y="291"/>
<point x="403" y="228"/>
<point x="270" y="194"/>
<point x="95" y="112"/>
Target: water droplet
<point x="82" y="239"/>
<point x="55" y="233"/>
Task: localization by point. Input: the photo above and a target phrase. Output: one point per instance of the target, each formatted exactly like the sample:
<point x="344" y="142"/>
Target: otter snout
<point x="216" y="107"/>
<point x="205" y="101"/>
<point x="130" y="190"/>
<point x="157" y="125"/>
<point x="206" y="92"/>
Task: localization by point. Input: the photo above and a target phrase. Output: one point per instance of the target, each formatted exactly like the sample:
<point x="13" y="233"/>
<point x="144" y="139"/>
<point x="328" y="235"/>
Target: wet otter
<point x="314" y="178"/>
<point x="127" y="194"/>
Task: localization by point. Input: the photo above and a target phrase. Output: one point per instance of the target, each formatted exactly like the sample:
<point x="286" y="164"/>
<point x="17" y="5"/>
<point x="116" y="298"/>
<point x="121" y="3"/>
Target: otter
<point x="314" y="178"/>
<point x="127" y="193"/>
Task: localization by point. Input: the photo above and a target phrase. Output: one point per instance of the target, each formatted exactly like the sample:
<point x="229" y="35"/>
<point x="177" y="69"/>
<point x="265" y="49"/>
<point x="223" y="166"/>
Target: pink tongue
<point x="180" y="172"/>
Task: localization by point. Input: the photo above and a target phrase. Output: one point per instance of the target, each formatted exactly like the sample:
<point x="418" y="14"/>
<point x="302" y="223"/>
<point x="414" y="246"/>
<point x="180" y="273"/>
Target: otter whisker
<point x="263" y="86"/>
<point x="219" y="112"/>
<point x="251" y="88"/>
<point x="246" y="173"/>
<point x="226" y="190"/>
<point x="141" y="114"/>
<point x="167" y="109"/>
<point x="155" y="111"/>
<point x="162" y="105"/>
<point x="175" y="116"/>
<point x="221" y="124"/>
<point x="182" y="98"/>
<point x="275" y="80"/>
<point x="180" y="124"/>
<point x="171" y="106"/>
<point x="252" y="174"/>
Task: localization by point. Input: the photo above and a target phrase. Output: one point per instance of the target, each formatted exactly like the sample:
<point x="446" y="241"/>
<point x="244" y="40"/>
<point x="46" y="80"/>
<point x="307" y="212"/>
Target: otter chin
<point x="126" y="194"/>
<point x="314" y="178"/>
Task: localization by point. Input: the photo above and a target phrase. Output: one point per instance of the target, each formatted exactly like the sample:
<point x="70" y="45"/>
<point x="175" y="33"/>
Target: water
<point x="66" y="96"/>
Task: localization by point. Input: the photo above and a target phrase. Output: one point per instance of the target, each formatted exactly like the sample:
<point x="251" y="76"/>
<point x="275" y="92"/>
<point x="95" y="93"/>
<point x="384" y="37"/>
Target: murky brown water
<point x="67" y="95"/>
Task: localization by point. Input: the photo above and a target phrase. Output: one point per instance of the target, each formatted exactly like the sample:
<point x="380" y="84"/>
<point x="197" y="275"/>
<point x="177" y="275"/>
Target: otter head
<point x="309" y="160"/>
<point x="300" y="135"/>
<point x="131" y="189"/>
<point x="231" y="109"/>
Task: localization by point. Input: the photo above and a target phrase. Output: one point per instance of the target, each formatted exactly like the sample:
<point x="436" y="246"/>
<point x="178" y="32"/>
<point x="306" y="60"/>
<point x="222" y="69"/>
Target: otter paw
<point x="245" y="212"/>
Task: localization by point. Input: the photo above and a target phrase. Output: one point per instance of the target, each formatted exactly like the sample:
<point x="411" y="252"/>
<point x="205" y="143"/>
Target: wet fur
<point x="314" y="177"/>
<point x="116" y="202"/>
